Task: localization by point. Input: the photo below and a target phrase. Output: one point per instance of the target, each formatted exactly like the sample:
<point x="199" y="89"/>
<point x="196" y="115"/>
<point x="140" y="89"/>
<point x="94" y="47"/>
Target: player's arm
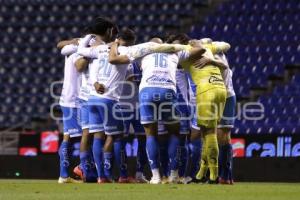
<point x="195" y="52"/>
<point x="100" y="88"/>
<point x="69" y="49"/>
<point x="63" y="43"/>
<point x="114" y="57"/>
<point x="139" y="51"/>
<point x="81" y="64"/>
<point x="218" y="47"/>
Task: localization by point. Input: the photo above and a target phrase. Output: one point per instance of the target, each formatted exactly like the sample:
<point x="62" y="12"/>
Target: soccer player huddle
<point x="176" y="95"/>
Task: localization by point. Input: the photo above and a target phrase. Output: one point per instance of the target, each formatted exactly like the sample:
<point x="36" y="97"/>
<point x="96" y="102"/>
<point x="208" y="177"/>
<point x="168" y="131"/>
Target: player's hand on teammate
<point x="100" y="88"/>
<point x="115" y="43"/>
<point x="195" y="43"/>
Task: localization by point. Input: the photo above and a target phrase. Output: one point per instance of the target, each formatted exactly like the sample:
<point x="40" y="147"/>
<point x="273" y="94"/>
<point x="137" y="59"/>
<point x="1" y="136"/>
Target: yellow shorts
<point x="210" y="97"/>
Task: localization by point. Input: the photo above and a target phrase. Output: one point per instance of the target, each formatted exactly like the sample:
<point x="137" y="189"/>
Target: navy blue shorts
<point x="228" y="118"/>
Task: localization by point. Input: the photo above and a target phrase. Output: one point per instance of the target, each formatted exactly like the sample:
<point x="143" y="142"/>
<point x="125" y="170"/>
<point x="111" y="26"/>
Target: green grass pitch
<point x="45" y="189"/>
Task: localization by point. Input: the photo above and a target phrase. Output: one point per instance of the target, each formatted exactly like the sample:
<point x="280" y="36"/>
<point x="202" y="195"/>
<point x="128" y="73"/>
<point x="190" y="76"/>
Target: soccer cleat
<point x="131" y="179"/>
<point x="173" y="180"/>
<point x="155" y="180"/>
<point x="181" y="180"/>
<point x="213" y="182"/>
<point x="77" y="170"/>
<point x="126" y="180"/>
<point x="103" y="180"/>
<point x="164" y="180"/>
<point x="123" y="180"/>
<point x="141" y="179"/>
<point x="190" y="180"/>
<point x="224" y="182"/>
<point x="62" y="180"/>
<point x="203" y="180"/>
<point x="231" y="182"/>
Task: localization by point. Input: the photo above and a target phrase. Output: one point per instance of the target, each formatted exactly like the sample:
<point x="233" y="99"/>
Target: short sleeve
<point x="69" y="49"/>
<point x="183" y="55"/>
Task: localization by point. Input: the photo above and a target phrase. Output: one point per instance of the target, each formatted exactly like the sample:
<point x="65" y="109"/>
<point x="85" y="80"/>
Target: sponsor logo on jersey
<point x="214" y="79"/>
<point x="154" y="79"/>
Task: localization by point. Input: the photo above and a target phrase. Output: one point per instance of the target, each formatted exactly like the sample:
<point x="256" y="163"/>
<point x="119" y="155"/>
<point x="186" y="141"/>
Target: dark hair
<point x="169" y="38"/>
<point x="181" y="37"/>
<point x="127" y="35"/>
<point x="100" y="25"/>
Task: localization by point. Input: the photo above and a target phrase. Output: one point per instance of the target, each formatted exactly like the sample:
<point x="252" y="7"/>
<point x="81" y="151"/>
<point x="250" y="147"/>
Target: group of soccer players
<point x="175" y="94"/>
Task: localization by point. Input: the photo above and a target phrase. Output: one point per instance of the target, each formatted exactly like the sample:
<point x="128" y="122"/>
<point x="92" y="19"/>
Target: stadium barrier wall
<point x="258" y="157"/>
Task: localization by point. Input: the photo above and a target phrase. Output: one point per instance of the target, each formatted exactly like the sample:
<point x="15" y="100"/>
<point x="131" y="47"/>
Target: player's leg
<point x="170" y="114"/>
<point x="152" y="148"/>
<point x="97" y="130"/>
<point x="195" y="146"/>
<point x="209" y="112"/>
<point x="64" y="156"/>
<point x="114" y="129"/>
<point x="71" y="126"/>
<point x="224" y="139"/>
<point x="174" y="141"/>
<point x="163" y="140"/>
<point x="183" y="150"/>
<point x="183" y="108"/>
<point x="87" y="165"/>
<point x="108" y="158"/>
<point x="142" y="159"/>
<point x="128" y="139"/>
<point x="148" y="113"/>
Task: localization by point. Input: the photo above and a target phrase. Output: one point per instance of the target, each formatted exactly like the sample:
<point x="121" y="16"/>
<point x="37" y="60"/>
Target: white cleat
<point x="62" y="180"/>
<point x="140" y="178"/>
<point x="155" y="180"/>
<point x="187" y="180"/>
<point x="173" y="178"/>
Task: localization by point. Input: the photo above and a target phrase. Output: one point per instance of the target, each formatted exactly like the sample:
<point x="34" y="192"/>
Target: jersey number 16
<point x="161" y="60"/>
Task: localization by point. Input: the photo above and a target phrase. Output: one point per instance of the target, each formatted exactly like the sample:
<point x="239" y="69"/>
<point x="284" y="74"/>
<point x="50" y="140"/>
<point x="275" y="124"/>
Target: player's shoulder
<point x="123" y="50"/>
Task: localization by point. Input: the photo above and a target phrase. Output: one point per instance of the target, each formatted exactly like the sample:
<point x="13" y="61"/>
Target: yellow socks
<point x="203" y="163"/>
<point x="212" y="153"/>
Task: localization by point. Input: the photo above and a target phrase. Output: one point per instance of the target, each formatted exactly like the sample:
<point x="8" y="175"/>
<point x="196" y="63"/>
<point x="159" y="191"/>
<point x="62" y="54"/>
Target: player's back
<point x="71" y="82"/>
<point x="159" y="70"/>
<point x="130" y="86"/>
<point x="226" y="74"/>
<point x="110" y="75"/>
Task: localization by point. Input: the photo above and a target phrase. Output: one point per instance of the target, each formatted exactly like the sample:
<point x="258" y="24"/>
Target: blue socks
<point x="152" y="151"/>
<point x="141" y="156"/>
<point x="225" y="162"/>
<point x="87" y="167"/>
<point x="182" y="158"/>
<point x="195" y="156"/>
<point x="172" y="152"/>
<point x="98" y="156"/>
<point x="120" y="157"/>
<point x="108" y="158"/>
<point x="164" y="157"/>
<point x="64" y="159"/>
